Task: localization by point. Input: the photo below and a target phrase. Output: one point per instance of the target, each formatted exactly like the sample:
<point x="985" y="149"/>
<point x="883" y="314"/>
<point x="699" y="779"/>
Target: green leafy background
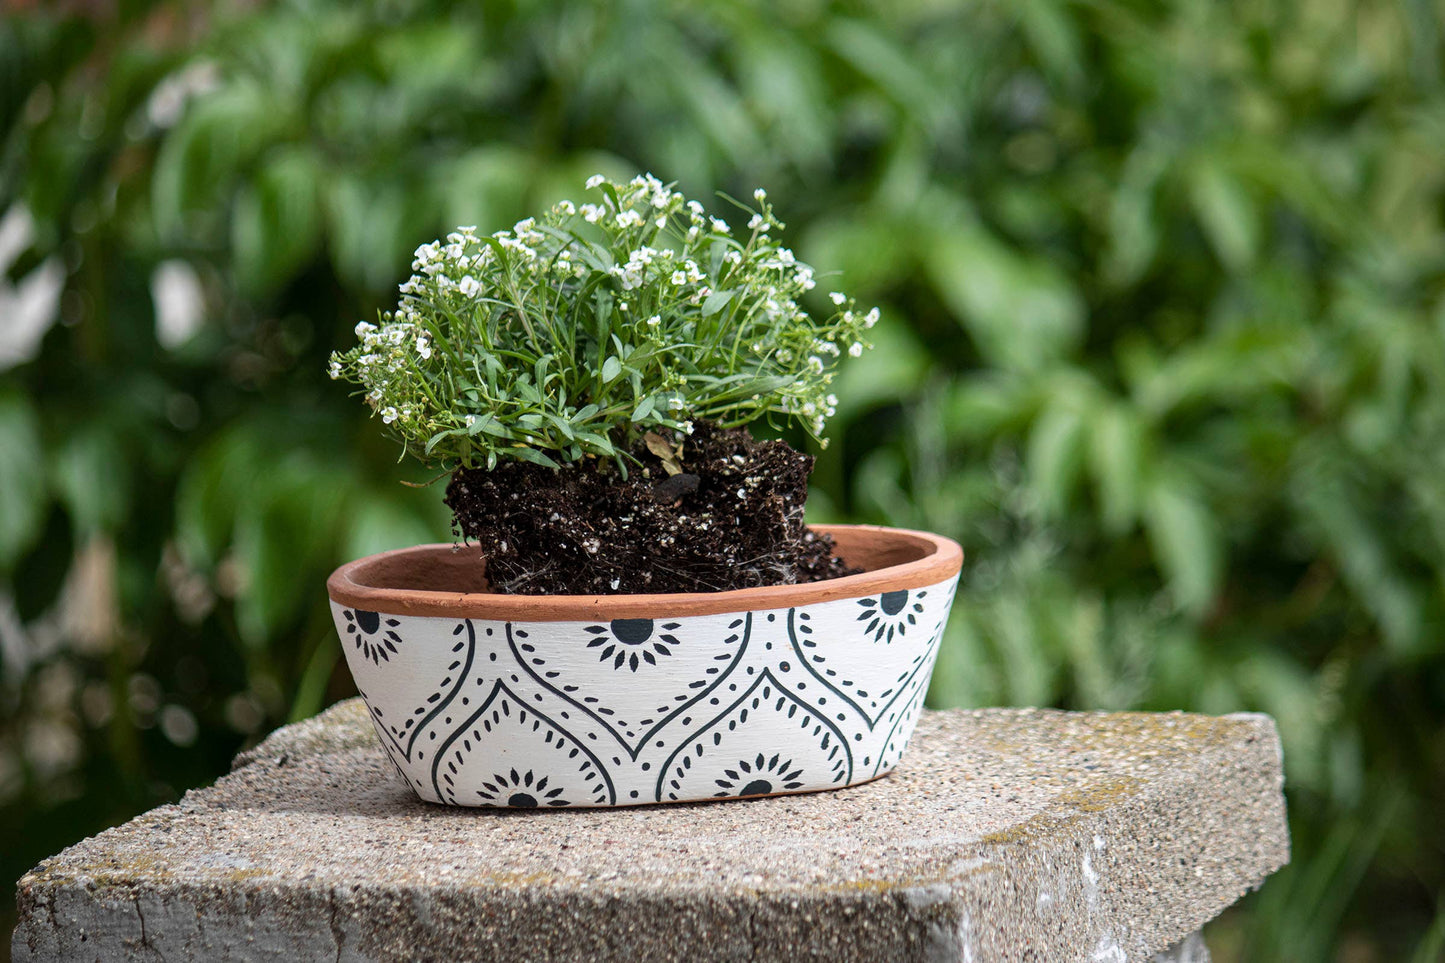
<point x="1164" y="348"/>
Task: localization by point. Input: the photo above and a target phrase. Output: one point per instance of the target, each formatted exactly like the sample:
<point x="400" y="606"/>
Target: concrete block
<point x="1003" y="835"/>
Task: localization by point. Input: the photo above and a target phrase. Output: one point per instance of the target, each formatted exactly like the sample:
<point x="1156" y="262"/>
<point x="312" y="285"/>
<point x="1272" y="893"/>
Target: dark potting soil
<point x="733" y="518"/>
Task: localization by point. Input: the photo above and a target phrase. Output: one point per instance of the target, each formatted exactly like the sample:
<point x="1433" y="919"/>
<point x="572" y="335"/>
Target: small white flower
<point x="595" y="180"/>
<point x="837" y="297"/>
<point x="760" y="195"/>
<point x="629" y="218"/>
<point x="469" y="286"/>
<point x="654" y="321"/>
<point x="719" y="225"/>
<point x="755" y="222"/>
<point x="334" y="370"/>
<point x="855" y="350"/>
<point x="388" y="414"/>
<point x="674" y="404"/>
<point x="871" y="318"/>
<point x="622" y="305"/>
<point x="687" y="427"/>
<point x="679" y="277"/>
<point x="423" y="347"/>
<point x="364" y="328"/>
<point x="566" y="208"/>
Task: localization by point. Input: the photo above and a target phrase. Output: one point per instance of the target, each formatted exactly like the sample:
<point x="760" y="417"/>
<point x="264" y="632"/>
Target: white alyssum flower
<point x="596" y="180"/>
<point x="472" y="301"/>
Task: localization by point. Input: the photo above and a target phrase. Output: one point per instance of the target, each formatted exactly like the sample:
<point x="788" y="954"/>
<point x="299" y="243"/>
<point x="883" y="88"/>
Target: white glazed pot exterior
<point x="647" y="710"/>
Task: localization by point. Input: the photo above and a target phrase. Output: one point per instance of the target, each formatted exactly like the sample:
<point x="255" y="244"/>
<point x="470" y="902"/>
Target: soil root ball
<point x="582" y="530"/>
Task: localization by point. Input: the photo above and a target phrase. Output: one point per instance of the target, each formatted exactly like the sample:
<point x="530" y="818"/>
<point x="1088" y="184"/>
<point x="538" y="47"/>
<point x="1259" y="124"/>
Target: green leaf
<point x="375" y="523"/>
<point x="23" y="494"/>
<point x="276" y="223"/>
<point x="561" y="424"/>
<point x="611" y="368"/>
<point x="1116" y="460"/>
<point x="285" y="525"/>
<point x="598" y="443"/>
<point x="1055" y="453"/>
<point x="1226" y="214"/>
<point x="1021" y="312"/>
<point x="488" y="423"/>
<point x="1185" y="540"/>
<point x="644" y="408"/>
<point x="441" y="436"/>
<point x="716" y="302"/>
<point x="532" y="455"/>
<point x="92" y="479"/>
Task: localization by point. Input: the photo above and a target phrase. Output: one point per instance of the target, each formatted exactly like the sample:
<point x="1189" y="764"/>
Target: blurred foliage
<point x="1164" y="347"/>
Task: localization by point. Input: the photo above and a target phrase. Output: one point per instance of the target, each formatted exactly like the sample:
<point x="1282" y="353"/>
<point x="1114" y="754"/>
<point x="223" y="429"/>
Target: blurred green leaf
<point x="23" y="493"/>
<point x="276" y="225"/>
<point x="1117" y="462"/>
<point x="1226" y="213"/>
<point x="1185" y="539"/>
<point x="1020" y="312"/>
<point x="91" y="478"/>
<point x="376" y="524"/>
<point x="1055" y="457"/>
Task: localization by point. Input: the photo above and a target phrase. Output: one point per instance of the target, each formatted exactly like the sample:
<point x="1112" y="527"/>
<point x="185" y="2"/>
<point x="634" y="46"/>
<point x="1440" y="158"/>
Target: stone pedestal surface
<point x="1003" y="835"/>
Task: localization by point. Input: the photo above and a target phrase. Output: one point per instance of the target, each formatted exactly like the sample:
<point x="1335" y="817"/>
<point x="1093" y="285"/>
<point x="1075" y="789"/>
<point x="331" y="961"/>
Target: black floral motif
<point x="618" y="636"/>
<point x="760" y="777"/>
<point x="520" y="792"/>
<point x="892" y="613"/>
<point x="365" y="629"/>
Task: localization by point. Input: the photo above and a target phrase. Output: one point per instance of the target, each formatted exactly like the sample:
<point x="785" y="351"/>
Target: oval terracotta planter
<point x="553" y="701"/>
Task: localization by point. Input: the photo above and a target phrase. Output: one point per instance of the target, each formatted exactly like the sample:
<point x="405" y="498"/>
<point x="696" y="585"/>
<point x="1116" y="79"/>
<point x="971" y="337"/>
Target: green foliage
<point x="571" y="335"/>
<point x="1166" y="352"/>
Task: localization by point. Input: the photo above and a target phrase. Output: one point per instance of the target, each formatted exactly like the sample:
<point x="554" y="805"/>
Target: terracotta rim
<point x="893" y="559"/>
